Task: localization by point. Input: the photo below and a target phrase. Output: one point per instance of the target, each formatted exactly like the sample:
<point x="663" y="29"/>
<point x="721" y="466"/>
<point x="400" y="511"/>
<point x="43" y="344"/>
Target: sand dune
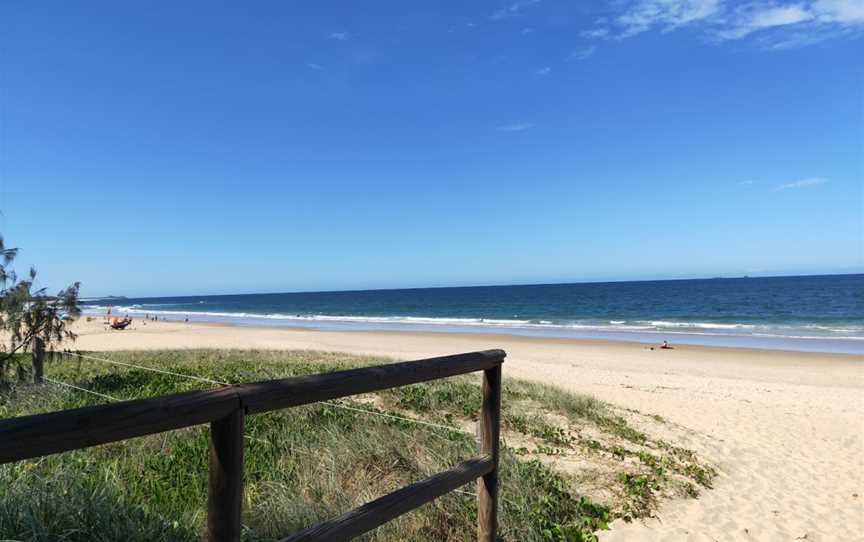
<point x="786" y="429"/>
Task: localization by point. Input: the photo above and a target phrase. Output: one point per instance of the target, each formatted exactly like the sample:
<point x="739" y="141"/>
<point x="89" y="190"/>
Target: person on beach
<point x="667" y="346"/>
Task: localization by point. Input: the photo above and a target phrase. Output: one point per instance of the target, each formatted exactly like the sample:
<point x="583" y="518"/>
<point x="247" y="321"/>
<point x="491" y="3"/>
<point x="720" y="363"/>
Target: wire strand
<point x="471" y="493"/>
<point x="200" y="379"/>
<point x="59" y="383"/>
<point x="393" y="416"/>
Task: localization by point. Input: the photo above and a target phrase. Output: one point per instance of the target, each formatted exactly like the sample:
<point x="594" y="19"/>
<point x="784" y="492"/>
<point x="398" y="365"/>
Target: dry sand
<point x="786" y="429"/>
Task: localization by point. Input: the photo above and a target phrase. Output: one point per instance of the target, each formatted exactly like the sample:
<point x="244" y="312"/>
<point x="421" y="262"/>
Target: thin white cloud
<point x="798" y="38"/>
<point x="583" y="53"/>
<point x="746" y="183"/>
<point x="338" y="36"/>
<point x="543" y="72"/>
<point x="839" y="11"/>
<point x="666" y="14"/>
<point x="517" y="127"/>
<point x="753" y="18"/>
<point x="313" y="66"/>
<point x="513" y="9"/>
<point x="595" y="33"/>
<point x="776" y="24"/>
<point x="809" y="181"/>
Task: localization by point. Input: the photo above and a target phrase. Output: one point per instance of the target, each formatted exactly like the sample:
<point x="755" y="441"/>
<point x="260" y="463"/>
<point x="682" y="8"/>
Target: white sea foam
<point x="804" y="331"/>
<point x="699" y="325"/>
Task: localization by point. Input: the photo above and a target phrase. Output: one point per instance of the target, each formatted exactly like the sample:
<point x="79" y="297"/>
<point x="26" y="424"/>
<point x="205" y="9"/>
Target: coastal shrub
<point x="641" y="488"/>
<point x="555" y="512"/>
<point x="28" y="312"/>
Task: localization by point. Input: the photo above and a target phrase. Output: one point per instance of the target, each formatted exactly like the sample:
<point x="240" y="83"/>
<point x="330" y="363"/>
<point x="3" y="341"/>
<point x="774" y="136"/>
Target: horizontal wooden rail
<point x="275" y="394"/>
<point x="225" y="409"/>
<point x="378" y="512"/>
<point x="42" y="434"/>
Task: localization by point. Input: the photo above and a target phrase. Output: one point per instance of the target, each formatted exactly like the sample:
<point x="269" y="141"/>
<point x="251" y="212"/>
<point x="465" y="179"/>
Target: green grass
<point x="305" y="464"/>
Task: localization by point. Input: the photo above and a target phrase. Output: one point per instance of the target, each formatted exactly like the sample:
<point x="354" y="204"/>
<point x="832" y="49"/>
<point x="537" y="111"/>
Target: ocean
<point x="808" y="313"/>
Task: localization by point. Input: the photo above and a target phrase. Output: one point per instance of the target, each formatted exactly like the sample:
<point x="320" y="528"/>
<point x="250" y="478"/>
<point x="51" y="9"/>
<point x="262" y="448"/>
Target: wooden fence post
<point x="38" y="359"/>
<point x="487" y="486"/>
<point x="225" y="494"/>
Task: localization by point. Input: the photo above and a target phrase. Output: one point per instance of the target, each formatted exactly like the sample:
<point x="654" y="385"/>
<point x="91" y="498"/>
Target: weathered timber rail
<point x="226" y="408"/>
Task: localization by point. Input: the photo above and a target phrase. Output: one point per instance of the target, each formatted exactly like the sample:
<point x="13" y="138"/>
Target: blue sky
<point x="213" y="147"/>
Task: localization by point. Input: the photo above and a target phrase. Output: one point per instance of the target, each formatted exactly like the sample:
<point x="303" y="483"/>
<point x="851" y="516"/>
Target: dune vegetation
<point x="570" y="464"/>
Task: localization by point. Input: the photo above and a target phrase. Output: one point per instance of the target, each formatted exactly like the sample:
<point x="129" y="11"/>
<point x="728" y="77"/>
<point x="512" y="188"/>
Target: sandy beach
<point x="785" y="428"/>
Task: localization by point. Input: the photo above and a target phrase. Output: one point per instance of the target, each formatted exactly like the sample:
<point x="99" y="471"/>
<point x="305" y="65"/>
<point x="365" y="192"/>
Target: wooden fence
<point x="226" y="408"/>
